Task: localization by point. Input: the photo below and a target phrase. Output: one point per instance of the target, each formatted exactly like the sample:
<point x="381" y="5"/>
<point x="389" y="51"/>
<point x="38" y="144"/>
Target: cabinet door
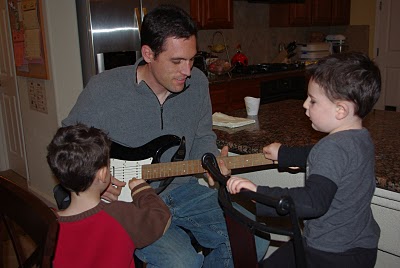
<point x="218" y="14"/>
<point x="219" y="97"/>
<point x="278" y="15"/>
<point x="195" y="11"/>
<point x="240" y="89"/>
<point x="300" y="14"/>
<point x="286" y="15"/>
<point x="340" y="12"/>
<point x="310" y="13"/>
<point x="321" y="12"/>
<point x="212" y="14"/>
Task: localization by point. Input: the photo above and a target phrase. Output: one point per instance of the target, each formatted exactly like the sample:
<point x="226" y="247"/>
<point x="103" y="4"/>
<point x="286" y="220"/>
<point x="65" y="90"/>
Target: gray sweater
<point x="336" y="198"/>
<point x="132" y="115"/>
<point x="348" y="159"/>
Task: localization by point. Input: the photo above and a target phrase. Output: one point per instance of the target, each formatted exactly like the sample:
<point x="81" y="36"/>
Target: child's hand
<point x="113" y="190"/>
<point x="271" y="151"/>
<point x="223" y="168"/>
<point x="135" y="182"/>
<point x="235" y="184"/>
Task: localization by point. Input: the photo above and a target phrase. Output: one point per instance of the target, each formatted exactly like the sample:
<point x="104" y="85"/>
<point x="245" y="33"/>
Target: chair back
<point x="24" y="214"/>
<point x="241" y="229"/>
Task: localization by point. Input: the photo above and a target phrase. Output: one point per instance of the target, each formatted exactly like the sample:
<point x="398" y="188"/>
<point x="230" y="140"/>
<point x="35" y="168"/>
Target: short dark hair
<point x="76" y="153"/>
<point x="163" y="22"/>
<point x="350" y="76"/>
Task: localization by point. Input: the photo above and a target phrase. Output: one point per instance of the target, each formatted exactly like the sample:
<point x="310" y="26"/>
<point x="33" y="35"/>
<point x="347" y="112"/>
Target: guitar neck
<point x="193" y="167"/>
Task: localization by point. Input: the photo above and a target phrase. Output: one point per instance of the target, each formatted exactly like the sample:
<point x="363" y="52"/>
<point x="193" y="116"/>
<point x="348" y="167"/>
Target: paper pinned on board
<point x="223" y="120"/>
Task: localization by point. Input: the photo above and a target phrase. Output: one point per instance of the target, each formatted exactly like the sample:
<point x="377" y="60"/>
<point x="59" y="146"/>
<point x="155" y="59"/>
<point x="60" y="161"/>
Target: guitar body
<point x="153" y="149"/>
<point x="126" y="162"/>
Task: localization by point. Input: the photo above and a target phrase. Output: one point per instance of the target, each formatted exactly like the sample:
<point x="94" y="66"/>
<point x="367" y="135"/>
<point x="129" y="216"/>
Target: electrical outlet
<point x="37" y="96"/>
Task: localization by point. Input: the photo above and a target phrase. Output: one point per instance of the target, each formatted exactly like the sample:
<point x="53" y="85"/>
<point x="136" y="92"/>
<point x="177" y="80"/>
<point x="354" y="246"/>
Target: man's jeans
<point x="193" y="207"/>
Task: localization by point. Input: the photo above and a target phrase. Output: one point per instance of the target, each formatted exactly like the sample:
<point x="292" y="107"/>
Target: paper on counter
<point x="223" y="120"/>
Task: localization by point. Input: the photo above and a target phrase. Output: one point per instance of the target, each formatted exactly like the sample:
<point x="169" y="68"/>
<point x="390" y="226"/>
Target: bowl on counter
<point x="219" y="67"/>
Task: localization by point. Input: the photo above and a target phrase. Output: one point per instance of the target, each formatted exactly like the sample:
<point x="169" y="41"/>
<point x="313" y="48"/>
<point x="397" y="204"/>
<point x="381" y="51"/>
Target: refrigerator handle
<point x="144" y="12"/>
<point x="137" y="18"/>
<point x="100" y="62"/>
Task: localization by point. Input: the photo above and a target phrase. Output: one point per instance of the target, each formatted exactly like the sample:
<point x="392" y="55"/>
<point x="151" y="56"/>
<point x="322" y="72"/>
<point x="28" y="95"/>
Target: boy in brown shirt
<point x="94" y="233"/>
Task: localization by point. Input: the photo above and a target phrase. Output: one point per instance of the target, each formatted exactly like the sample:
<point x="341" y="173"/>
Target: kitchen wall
<point x="62" y="89"/>
<point x="363" y="12"/>
<point x="259" y="43"/>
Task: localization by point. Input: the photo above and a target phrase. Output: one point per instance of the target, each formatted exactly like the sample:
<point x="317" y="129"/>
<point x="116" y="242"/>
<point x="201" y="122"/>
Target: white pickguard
<point x="126" y="170"/>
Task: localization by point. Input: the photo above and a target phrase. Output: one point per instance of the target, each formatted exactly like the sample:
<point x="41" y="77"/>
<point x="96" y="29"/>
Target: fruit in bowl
<point x="219" y="67"/>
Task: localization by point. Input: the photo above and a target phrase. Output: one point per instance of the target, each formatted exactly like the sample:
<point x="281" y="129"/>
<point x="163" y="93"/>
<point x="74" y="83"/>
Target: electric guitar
<point x="144" y="162"/>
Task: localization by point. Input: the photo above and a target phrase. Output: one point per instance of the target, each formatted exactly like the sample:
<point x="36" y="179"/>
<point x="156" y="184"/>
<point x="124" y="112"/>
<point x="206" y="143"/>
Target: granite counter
<point x="286" y="122"/>
<point x="217" y="79"/>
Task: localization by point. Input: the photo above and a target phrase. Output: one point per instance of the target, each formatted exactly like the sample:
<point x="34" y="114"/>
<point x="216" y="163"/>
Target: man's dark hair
<point x="350" y="76"/>
<point x="76" y="153"/>
<point x="163" y="22"/>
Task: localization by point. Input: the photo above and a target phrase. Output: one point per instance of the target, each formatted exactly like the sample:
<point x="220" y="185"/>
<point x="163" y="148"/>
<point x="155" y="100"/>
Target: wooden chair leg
<point x="242" y="244"/>
<point x="2" y="241"/>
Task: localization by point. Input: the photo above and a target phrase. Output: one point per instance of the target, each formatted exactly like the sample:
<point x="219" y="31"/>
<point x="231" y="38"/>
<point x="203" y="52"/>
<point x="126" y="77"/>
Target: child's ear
<point x="101" y="175"/>
<point x="342" y="109"/>
<point x="147" y="53"/>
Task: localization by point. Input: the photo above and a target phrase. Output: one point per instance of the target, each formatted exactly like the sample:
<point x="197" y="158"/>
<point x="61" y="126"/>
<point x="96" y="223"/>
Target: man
<point x="162" y="94"/>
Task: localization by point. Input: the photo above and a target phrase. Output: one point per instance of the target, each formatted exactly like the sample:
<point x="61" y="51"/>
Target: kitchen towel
<point x="223" y="120"/>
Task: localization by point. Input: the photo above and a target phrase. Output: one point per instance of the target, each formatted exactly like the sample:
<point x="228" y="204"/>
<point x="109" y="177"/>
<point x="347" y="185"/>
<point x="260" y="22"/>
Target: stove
<point x="263" y="68"/>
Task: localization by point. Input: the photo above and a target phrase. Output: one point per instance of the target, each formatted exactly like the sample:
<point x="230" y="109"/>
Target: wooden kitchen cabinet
<point x="310" y="13"/>
<point x="219" y="97"/>
<point x="229" y="95"/>
<point x="240" y="89"/>
<point x="212" y="14"/>
<point x="330" y="12"/>
<point x="340" y="12"/>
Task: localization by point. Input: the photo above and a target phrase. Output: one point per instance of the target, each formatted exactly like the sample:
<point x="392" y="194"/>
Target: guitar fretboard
<point x="192" y="167"/>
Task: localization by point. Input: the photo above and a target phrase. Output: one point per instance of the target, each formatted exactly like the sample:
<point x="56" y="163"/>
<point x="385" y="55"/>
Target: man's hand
<point x="223" y="168"/>
<point x="113" y="190"/>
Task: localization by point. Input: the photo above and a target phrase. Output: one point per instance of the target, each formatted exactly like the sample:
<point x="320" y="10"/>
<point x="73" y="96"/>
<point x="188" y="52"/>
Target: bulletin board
<point x="28" y="37"/>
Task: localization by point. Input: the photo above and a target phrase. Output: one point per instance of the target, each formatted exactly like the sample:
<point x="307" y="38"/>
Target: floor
<point x="9" y="260"/>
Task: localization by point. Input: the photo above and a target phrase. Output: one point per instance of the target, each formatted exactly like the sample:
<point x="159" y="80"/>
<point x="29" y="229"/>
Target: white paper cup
<point x="252" y="105"/>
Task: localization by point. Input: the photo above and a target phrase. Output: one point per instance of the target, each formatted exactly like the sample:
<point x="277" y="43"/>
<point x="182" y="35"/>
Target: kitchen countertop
<point x="286" y="122"/>
<point x="215" y="79"/>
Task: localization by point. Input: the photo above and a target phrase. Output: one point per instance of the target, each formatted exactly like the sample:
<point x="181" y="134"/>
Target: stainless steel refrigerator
<point x="109" y="34"/>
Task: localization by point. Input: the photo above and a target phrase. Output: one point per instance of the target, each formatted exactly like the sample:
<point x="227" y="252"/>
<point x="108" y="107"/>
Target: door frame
<point x="381" y="101"/>
<point x="5" y="160"/>
<point x="381" y="59"/>
<point x="4" y="164"/>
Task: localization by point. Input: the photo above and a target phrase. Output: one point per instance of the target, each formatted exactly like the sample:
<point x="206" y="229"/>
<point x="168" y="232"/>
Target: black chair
<point x="22" y="214"/>
<point x="241" y="229"/>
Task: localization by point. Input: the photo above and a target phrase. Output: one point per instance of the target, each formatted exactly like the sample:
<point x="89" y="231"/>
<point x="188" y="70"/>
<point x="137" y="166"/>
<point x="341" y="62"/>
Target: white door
<point x="12" y="148"/>
<point x="387" y="44"/>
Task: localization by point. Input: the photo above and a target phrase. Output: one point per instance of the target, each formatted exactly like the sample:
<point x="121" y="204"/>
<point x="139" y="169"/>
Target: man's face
<point x="172" y="66"/>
